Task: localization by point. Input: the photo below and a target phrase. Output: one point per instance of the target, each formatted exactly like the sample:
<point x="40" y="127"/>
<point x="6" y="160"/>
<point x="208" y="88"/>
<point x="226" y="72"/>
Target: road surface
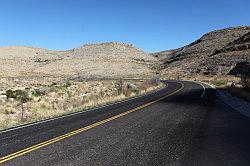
<point x="182" y="124"/>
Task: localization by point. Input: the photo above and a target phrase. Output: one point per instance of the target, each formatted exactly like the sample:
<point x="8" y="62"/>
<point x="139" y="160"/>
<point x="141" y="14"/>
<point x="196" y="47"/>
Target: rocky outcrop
<point x="241" y="68"/>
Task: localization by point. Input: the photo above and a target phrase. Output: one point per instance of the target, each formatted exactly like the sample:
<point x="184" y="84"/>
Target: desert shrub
<point x="53" y="84"/>
<point x="63" y="86"/>
<point x="20" y="95"/>
<point x="245" y="81"/>
<point x="127" y="92"/>
<point x="53" y="89"/>
<point x="119" y="86"/>
<point x="45" y="106"/>
<point x="76" y="102"/>
<point x="136" y="91"/>
<point x="10" y="94"/>
<point x="39" y="92"/>
<point x="149" y="83"/>
<point x="68" y="84"/>
<point x="92" y="97"/>
<point x="143" y="88"/>
<point x="69" y="94"/>
<point x="8" y="111"/>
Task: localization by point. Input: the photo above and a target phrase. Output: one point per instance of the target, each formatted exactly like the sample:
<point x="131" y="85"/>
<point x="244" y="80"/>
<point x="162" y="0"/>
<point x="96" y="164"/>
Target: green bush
<point x="13" y="94"/>
<point x="136" y="91"/>
<point x="68" y="84"/>
<point x="20" y="95"/>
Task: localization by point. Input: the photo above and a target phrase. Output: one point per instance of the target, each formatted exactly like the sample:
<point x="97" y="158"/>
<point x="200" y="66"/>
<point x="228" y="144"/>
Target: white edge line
<point x="203" y="88"/>
<point x="201" y="84"/>
<point x="218" y="94"/>
<point x="74" y="113"/>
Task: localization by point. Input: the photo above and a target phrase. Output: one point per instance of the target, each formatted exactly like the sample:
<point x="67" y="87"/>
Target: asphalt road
<point x="183" y="124"/>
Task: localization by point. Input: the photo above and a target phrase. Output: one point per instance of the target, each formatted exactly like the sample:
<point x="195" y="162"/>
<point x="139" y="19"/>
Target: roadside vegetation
<point x="238" y="86"/>
<point x="19" y="105"/>
<point x="240" y="89"/>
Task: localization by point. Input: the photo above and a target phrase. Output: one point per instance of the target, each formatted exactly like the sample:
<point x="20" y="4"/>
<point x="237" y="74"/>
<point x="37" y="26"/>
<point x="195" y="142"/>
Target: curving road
<point x="183" y="124"/>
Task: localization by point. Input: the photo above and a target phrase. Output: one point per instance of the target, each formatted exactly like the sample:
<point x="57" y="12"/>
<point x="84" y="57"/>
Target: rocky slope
<point x="242" y="43"/>
<point x="92" y="60"/>
<point x="214" y="53"/>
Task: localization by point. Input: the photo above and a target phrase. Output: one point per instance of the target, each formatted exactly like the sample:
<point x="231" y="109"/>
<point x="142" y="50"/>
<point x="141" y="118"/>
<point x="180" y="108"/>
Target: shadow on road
<point x="194" y="96"/>
<point x="223" y="139"/>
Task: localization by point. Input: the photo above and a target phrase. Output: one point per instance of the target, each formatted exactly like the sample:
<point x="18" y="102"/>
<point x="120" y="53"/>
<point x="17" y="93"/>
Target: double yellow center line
<point x="70" y="134"/>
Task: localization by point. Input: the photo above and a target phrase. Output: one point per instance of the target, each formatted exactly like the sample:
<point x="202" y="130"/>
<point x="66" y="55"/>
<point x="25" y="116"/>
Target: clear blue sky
<point x="152" y="25"/>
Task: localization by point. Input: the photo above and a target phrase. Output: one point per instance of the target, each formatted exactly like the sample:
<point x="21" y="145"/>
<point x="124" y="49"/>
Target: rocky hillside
<point x="242" y="43"/>
<point x="214" y="53"/>
<point x="92" y="60"/>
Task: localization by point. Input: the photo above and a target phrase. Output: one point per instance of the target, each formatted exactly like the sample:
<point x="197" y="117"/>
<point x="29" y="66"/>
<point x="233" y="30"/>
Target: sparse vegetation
<point x="241" y="92"/>
<point x="245" y="81"/>
<point x="42" y="101"/>
<point x="8" y="111"/>
<point x="39" y="92"/>
<point x="237" y="86"/>
<point x="20" y="95"/>
<point x="241" y="89"/>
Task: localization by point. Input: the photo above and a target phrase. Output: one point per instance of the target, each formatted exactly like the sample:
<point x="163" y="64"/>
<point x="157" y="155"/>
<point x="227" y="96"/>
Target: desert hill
<point x="214" y="53"/>
<point x="91" y="60"/>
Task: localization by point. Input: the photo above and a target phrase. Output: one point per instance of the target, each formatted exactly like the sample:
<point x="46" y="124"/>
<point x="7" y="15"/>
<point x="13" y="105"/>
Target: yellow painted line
<point x="56" y="139"/>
